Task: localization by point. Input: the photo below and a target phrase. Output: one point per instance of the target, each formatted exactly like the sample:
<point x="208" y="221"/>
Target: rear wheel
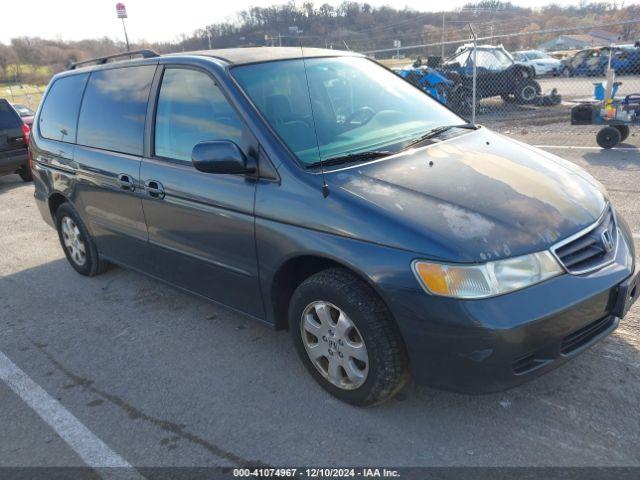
<point x="624" y="131"/>
<point x="527" y="91"/>
<point x="608" y="137"/>
<point x="77" y="243"/>
<point x="346" y="338"/>
<point x="25" y="173"/>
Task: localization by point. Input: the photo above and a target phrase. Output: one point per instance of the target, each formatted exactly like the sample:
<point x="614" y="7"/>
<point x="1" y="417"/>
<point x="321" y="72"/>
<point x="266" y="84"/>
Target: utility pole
<point x="121" y="10"/>
<point x="475" y="74"/>
<point x="442" y="38"/>
<point x="209" y="37"/>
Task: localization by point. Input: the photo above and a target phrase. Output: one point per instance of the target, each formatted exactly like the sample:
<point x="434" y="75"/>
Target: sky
<point x="161" y="20"/>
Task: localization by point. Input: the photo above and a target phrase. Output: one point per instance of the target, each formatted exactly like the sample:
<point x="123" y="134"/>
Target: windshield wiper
<point x="434" y="132"/>
<point x="351" y="157"/>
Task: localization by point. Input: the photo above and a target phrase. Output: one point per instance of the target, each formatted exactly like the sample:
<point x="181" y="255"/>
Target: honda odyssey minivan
<point x="316" y="191"/>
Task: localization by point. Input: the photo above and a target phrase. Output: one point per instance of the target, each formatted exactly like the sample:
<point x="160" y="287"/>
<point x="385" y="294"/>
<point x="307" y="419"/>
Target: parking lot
<point x="163" y="378"/>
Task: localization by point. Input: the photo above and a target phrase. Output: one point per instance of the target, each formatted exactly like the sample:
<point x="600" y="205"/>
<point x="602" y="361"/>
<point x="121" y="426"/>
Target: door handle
<point x="154" y="189"/>
<point x="126" y="183"/>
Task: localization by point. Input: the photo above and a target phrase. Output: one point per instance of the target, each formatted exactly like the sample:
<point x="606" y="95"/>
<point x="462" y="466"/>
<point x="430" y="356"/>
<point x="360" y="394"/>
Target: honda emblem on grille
<point x="607" y="240"/>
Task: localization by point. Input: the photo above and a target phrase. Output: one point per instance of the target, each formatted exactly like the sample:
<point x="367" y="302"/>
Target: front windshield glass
<point x="536" y="55"/>
<point x="503" y="58"/>
<point x="348" y="106"/>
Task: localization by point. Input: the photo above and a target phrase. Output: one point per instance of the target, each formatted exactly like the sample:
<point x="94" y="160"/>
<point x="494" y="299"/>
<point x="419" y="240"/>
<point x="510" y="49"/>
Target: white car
<point x="540" y="61"/>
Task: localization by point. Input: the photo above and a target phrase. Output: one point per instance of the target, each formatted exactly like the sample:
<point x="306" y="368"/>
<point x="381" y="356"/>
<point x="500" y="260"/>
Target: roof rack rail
<point x="124" y="55"/>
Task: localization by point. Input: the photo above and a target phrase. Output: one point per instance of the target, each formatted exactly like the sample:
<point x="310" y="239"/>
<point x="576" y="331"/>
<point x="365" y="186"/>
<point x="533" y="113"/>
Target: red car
<point x="26" y="114"/>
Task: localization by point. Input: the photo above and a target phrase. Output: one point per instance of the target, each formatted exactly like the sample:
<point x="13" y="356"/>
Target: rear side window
<point x="114" y="107"/>
<point x="59" y="113"/>
<point x="192" y="109"/>
<point x="8" y="116"/>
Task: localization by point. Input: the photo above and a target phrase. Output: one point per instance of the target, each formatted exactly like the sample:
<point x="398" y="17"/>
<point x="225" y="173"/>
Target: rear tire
<point x="347" y="338"/>
<point x="527" y="91"/>
<point x="608" y="137"/>
<point x="25" y="173"/>
<point x="624" y="131"/>
<point x="78" y="246"/>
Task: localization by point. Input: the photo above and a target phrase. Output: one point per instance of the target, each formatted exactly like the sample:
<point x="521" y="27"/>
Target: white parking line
<point x="575" y="147"/>
<point x="93" y="451"/>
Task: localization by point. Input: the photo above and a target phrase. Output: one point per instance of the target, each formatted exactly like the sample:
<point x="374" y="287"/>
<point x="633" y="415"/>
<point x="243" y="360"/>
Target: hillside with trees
<point x="353" y="25"/>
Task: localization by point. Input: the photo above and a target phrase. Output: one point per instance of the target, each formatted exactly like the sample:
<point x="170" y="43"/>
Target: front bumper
<point x="489" y="345"/>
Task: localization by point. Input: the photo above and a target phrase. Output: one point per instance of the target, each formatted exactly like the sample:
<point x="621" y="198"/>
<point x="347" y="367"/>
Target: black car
<point x="14" y="141"/>
<point x="497" y="74"/>
<point x="316" y="191"/>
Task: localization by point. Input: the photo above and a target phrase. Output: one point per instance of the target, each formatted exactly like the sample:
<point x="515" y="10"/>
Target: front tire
<point x="624" y="131"/>
<point x="346" y="338"/>
<point x="77" y="243"/>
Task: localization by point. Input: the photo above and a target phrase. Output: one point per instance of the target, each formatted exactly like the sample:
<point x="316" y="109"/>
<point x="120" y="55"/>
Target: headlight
<point x="488" y="279"/>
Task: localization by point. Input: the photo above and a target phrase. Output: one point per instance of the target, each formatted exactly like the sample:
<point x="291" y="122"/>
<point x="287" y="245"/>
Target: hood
<point x="547" y="61"/>
<point x="475" y="197"/>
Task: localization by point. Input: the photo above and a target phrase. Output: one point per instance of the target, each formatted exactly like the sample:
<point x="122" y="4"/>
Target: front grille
<point x="582" y="337"/>
<point x="590" y="249"/>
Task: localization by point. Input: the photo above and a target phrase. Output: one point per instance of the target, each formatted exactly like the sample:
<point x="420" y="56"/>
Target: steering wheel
<point x="360" y="117"/>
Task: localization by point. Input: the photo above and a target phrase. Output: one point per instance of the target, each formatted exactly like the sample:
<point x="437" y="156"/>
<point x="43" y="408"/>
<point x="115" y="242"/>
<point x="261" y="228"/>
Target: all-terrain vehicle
<point x="497" y="74"/>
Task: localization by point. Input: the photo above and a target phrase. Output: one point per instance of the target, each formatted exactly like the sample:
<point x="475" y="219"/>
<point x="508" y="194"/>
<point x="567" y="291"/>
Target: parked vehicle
<point x="26" y="114"/>
<point x="625" y="59"/>
<point x="497" y="74"/>
<point x="431" y="81"/>
<point x="542" y="63"/>
<point x="328" y="196"/>
<point x="14" y="141"/>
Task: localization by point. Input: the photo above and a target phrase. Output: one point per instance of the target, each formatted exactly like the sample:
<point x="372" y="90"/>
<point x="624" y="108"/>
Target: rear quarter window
<point x="59" y="113"/>
<point x="9" y="119"/>
<point x="114" y="108"/>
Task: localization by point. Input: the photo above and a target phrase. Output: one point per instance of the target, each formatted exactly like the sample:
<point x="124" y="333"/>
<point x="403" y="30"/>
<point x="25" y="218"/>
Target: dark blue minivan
<point x="316" y="191"/>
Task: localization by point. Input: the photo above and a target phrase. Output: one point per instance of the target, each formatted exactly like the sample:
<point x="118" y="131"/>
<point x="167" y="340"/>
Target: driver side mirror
<point x="219" y="156"/>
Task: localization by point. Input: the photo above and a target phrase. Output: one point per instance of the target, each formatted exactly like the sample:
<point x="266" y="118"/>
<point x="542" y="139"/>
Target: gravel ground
<point x="164" y="378"/>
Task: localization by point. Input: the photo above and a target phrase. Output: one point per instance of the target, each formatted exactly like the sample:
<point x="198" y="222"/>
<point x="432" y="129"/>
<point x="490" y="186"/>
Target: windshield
<point x="536" y="55"/>
<point x="503" y="58"/>
<point x="349" y="105"/>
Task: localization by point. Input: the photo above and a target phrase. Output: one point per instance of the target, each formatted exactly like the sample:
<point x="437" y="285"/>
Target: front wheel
<point x="346" y="338"/>
<point x="624" y="131"/>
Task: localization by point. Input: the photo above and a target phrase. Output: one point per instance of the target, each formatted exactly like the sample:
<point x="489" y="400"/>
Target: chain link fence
<point x="527" y="81"/>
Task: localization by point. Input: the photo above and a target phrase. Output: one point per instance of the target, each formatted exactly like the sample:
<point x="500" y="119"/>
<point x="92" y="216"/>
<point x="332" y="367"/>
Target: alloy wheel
<point x="73" y="242"/>
<point x="334" y="345"/>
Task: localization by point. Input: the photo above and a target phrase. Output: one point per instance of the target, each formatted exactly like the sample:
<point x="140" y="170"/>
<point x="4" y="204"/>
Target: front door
<point x="201" y="225"/>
